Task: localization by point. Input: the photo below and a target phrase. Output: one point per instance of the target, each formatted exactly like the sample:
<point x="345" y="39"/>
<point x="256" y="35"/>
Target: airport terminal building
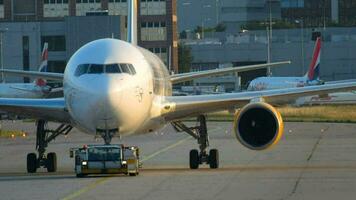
<point x="68" y="24"/>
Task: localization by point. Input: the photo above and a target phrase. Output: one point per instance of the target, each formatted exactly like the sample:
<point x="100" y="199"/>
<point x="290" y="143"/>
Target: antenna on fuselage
<point x="132" y="22"/>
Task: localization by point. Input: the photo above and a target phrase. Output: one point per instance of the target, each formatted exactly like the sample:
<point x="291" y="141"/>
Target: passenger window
<point x="132" y="69"/>
<point x="95" y="69"/>
<point x="125" y="68"/>
<point x="113" y="68"/>
<point x="81" y="69"/>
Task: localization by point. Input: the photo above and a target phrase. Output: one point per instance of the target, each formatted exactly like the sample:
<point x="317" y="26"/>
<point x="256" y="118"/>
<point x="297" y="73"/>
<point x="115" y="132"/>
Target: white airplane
<point x="342" y="98"/>
<point x="310" y="78"/>
<point x="113" y="87"/>
<point x="36" y="89"/>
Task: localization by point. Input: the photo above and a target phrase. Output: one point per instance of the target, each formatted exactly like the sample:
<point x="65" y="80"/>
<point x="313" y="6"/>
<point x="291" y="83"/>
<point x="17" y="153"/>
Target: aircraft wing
<point x="178" y="107"/>
<point x="341" y="81"/>
<point x="179" y="78"/>
<point x="49" y="109"/>
<point x="34" y="74"/>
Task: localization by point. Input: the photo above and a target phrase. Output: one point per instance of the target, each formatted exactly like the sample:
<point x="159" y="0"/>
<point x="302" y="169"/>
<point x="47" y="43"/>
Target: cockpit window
<point x="82" y="69"/>
<point x="125" y="68"/>
<point x="109" y="69"/>
<point x="132" y="69"/>
<point x="112" y="68"/>
<point x="96" y="69"/>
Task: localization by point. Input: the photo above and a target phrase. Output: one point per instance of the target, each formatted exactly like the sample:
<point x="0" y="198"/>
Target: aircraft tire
<point x="214" y="159"/>
<point x="31" y="163"/>
<point x="133" y="174"/>
<point x="80" y="175"/>
<point x="194" y="159"/>
<point x="51" y="162"/>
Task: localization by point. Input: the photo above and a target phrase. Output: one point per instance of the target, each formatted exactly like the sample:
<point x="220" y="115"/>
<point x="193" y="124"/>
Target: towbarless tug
<point x="106" y="159"/>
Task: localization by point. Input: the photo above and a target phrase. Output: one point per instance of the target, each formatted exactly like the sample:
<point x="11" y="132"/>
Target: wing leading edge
<point x="34" y="74"/>
<point x="178" y="107"/>
<point x="179" y="78"/>
<point x="49" y="109"/>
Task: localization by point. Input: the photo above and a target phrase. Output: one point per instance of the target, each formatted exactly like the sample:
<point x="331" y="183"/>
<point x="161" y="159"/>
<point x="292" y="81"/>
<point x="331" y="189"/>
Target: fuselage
<point x="113" y="85"/>
<point x="270" y="83"/>
<point x="343" y="98"/>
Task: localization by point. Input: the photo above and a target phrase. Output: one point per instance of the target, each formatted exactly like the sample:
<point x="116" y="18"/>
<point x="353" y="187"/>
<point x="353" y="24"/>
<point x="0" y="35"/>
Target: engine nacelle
<point x="258" y="126"/>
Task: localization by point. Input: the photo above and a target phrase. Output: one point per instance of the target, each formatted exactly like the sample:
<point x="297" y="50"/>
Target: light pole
<point x="217" y="11"/>
<point x="204" y="19"/>
<point x="186" y="6"/>
<point x="202" y="27"/>
<point x="301" y="22"/>
<point x="2" y="31"/>
<point x="268" y="48"/>
<point x="269" y="39"/>
<point x="270" y="18"/>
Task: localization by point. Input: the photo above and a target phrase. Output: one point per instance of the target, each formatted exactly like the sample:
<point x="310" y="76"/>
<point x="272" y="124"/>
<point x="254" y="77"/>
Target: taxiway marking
<point x="166" y="149"/>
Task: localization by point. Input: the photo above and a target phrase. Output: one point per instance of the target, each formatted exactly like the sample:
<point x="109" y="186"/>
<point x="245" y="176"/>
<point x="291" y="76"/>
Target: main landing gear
<point x="200" y="133"/>
<point x="43" y="137"/>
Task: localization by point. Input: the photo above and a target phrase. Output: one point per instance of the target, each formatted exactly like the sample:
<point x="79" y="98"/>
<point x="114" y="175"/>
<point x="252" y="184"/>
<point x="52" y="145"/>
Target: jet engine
<point x="258" y="126"/>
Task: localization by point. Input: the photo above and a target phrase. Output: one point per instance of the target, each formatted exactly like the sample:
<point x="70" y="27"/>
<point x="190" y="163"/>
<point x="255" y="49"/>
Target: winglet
<point x="314" y="69"/>
<point x="132" y="22"/>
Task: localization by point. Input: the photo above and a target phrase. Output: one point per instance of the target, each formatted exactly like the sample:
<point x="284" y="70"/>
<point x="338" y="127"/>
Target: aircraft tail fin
<point x="43" y="65"/>
<point x="132" y="22"/>
<point x="314" y="68"/>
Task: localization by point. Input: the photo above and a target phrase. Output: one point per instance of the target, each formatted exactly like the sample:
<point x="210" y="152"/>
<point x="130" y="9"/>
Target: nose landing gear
<point x="107" y="135"/>
<point x="43" y="137"/>
<point x="200" y="133"/>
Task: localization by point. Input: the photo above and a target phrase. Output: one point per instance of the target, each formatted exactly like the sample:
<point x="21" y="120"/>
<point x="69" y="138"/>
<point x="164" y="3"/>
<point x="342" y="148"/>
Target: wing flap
<point x="179" y="78"/>
<point x="187" y="106"/>
<point x="49" y="109"/>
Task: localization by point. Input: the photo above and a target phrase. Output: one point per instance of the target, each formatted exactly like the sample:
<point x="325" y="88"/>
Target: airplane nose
<point x="106" y="95"/>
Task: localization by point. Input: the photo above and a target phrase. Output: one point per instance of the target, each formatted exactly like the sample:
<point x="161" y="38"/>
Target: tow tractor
<point x="106" y="159"/>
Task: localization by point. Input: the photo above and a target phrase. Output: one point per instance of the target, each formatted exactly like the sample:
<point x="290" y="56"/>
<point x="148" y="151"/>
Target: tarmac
<point x="312" y="161"/>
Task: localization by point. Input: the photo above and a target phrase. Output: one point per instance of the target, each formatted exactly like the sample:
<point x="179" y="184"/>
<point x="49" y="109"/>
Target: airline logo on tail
<point x="43" y="66"/>
<point x="314" y="69"/>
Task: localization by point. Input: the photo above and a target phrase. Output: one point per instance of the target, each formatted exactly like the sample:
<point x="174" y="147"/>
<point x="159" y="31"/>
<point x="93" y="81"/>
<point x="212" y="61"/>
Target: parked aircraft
<point x="310" y="78"/>
<point x="36" y="89"/>
<point x="342" y="98"/>
<point x="113" y="87"/>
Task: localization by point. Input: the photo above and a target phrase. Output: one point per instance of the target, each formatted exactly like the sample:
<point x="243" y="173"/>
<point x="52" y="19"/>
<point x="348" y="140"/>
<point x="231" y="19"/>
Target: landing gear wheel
<point x="194" y="159"/>
<point x="31" y="163"/>
<point x="214" y="159"/>
<point x="43" y="137"/>
<point x="200" y="133"/>
<point x="133" y="174"/>
<point x="81" y="175"/>
<point x="51" y="162"/>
